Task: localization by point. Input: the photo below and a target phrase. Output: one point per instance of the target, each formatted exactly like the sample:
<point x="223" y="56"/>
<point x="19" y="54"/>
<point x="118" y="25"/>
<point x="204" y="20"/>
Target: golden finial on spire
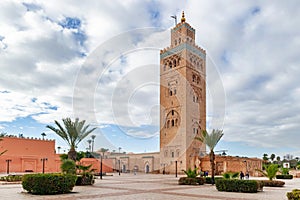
<point x="182" y="18"/>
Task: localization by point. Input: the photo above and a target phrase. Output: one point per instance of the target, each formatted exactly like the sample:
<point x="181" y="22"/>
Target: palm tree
<point x="272" y="157"/>
<point x="73" y="133"/>
<point x="265" y="157"/>
<point x="102" y="150"/>
<point x="278" y="159"/>
<point x="270" y="172"/>
<point x="89" y="141"/>
<point x="211" y="140"/>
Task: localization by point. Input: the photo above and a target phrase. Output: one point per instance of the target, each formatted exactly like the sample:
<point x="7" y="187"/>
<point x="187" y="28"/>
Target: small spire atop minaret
<point x="182" y="18"/>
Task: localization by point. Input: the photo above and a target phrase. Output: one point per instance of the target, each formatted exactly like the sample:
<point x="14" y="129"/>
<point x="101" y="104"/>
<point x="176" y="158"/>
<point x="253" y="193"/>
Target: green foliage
<point x="85" y="179"/>
<point x="72" y="132"/>
<point x="48" y="183"/>
<point x="270" y="172"/>
<point x="191" y="173"/>
<point x="284" y="171"/>
<point x="11" y="178"/>
<point x="80" y="155"/>
<point x="265" y="157"/>
<point x="208" y="179"/>
<point x="68" y="166"/>
<point x="231" y="175"/>
<point x="63" y="157"/>
<point x="191" y="181"/>
<point x="272" y="157"/>
<point x="294" y="195"/>
<point x="287" y="176"/>
<point x="211" y="140"/>
<point x="273" y="183"/>
<point x="236" y="185"/>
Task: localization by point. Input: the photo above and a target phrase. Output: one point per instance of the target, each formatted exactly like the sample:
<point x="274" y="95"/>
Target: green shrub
<point x="85" y="179"/>
<point x="191" y="173"/>
<point x="191" y="181"/>
<point x="231" y="175"/>
<point x="208" y="179"/>
<point x="269" y="183"/>
<point x="68" y="166"/>
<point x="11" y="178"/>
<point x="287" y="176"/>
<point x="294" y="195"/>
<point x="284" y="171"/>
<point x="235" y="185"/>
<point x="48" y="183"/>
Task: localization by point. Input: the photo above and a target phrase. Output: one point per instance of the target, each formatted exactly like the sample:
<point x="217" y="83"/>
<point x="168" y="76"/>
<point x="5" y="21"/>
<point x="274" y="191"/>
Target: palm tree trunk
<point x="212" y="163"/>
<point x="72" y="154"/>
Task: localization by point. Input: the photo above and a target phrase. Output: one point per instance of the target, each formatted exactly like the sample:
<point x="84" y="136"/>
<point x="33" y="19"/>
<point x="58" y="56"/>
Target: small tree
<point x="270" y="172"/>
<point x="73" y="133"/>
<point x="272" y="157"/>
<point x="211" y="140"/>
<point x="265" y="157"/>
<point x="68" y="166"/>
<point x="191" y="173"/>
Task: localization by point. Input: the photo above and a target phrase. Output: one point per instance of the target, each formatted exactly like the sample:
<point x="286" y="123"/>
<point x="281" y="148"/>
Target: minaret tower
<point x="182" y="99"/>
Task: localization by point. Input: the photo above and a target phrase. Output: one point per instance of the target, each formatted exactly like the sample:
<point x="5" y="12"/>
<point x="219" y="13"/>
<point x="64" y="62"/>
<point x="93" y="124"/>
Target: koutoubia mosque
<point x="182" y="118"/>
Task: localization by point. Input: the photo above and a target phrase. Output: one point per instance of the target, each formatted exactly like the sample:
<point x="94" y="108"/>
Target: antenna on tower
<point x="175" y="17"/>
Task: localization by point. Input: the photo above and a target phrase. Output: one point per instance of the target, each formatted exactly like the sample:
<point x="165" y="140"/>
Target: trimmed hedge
<point x="287" y="176"/>
<point x="235" y="185"/>
<point x="191" y="181"/>
<point x="294" y="195"/>
<point x="272" y="183"/>
<point x="208" y="179"/>
<point x="11" y="178"/>
<point x="86" y="179"/>
<point x="48" y="183"/>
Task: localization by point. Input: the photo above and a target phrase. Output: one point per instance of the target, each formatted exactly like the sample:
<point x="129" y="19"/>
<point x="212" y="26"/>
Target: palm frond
<point x="212" y="139"/>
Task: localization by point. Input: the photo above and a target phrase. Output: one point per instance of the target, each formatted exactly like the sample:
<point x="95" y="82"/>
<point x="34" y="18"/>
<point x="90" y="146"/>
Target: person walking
<point x="247" y="176"/>
<point x="242" y="175"/>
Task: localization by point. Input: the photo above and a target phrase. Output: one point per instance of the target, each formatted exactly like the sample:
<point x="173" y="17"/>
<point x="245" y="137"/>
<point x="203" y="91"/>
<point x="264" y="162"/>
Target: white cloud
<point x="253" y="44"/>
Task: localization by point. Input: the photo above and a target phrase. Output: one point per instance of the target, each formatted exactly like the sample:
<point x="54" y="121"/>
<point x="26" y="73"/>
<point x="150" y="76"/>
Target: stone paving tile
<point x="149" y="187"/>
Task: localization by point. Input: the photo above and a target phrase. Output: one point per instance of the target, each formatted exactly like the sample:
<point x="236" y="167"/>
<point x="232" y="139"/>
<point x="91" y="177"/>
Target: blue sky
<point x="99" y="61"/>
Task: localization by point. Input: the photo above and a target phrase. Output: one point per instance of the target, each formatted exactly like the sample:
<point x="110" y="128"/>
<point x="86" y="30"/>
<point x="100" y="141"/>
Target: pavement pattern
<point x="147" y="187"/>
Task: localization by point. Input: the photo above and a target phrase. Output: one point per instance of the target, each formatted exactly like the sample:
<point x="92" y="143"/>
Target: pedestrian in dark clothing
<point x="242" y="175"/>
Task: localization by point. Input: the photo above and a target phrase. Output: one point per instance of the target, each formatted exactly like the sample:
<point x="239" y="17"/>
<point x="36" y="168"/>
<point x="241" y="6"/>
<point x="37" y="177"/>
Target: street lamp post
<point x="93" y="140"/>
<point x="101" y="166"/>
<point x="176" y="168"/>
<point x="8" y="161"/>
<point x="43" y="160"/>
<point x="245" y="161"/>
<point x="119" y="167"/>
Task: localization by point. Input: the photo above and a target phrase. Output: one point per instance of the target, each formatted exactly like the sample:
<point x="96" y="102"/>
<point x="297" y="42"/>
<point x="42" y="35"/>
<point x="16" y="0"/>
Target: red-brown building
<point x="232" y="164"/>
<point x="35" y="155"/>
<point x="28" y="155"/>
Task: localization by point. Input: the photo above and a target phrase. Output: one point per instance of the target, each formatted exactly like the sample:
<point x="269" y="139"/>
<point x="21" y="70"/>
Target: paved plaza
<point x="148" y="186"/>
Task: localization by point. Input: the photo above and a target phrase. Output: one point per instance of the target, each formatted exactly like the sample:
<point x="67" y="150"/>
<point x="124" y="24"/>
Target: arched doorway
<point x="147" y="167"/>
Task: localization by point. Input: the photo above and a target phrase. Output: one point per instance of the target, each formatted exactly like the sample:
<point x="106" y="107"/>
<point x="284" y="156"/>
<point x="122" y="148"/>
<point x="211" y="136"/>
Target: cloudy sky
<point x="99" y="60"/>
